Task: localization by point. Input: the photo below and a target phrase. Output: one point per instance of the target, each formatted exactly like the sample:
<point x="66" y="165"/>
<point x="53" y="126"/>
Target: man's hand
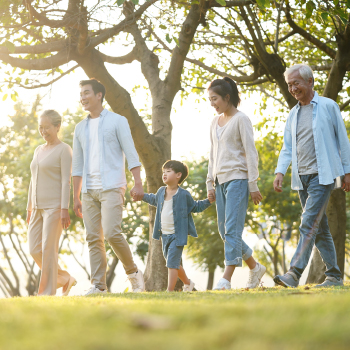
<point x="211" y="196"/>
<point x="346" y="183"/>
<point x="256" y="197"/>
<point x="65" y="218"/>
<point x="137" y="192"/>
<point x="78" y="208"/>
<point x="277" y="184"/>
<point x="29" y="214"/>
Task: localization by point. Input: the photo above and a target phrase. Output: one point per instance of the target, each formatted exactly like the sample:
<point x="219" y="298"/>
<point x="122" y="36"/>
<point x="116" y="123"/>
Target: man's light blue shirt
<point x="115" y="143"/>
<point x="331" y="143"/>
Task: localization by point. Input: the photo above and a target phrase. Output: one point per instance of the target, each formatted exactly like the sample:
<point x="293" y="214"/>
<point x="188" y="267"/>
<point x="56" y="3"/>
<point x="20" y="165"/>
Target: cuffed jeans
<point x="44" y="234"/>
<point x="231" y="205"/>
<point x="314" y="227"/>
<point x="102" y="214"/>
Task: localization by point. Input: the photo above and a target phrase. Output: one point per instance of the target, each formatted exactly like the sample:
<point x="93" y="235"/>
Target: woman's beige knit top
<point x="50" y="183"/>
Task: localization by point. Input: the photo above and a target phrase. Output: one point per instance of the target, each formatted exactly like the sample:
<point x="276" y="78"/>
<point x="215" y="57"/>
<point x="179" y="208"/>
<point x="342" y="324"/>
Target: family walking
<point x="315" y="141"/>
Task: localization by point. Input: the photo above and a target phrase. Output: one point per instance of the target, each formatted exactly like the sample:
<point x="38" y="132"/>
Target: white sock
<point x="256" y="268"/>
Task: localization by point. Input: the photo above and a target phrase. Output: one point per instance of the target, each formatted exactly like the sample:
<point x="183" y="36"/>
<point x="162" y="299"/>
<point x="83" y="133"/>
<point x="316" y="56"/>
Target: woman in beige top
<point x="233" y="171"/>
<point x="48" y="203"/>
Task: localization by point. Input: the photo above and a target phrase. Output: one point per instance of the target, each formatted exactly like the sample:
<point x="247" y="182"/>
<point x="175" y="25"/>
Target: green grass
<point x="273" y="318"/>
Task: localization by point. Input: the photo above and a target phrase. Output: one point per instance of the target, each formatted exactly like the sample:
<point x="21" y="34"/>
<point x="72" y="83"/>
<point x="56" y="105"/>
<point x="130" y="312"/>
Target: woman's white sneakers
<point x="188" y="287"/>
<point x="254" y="279"/>
<point x="71" y="283"/>
<point x="255" y="275"/>
<point x="223" y="284"/>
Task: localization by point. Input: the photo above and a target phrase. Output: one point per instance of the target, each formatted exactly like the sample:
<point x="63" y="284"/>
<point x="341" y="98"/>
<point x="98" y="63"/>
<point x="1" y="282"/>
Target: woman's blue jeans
<point x="231" y="205"/>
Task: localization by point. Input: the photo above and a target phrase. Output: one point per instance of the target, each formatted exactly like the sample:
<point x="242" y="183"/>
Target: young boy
<point x="174" y="221"/>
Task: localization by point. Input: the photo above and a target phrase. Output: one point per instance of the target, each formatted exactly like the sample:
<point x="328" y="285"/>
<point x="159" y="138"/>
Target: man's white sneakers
<point x="223" y="284"/>
<point x="137" y="281"/>
<point x="95" y="290"/>
<point x="255" y="275"/>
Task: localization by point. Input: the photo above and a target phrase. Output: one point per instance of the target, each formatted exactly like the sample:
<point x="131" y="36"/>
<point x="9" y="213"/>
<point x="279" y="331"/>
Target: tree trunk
<point x="336" y="213"/>
<point x="210" y="279"/>
<point x="110" y="273"/>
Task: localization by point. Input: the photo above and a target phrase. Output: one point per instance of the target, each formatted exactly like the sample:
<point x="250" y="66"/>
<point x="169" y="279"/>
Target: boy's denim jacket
<point x="183" y="206"/>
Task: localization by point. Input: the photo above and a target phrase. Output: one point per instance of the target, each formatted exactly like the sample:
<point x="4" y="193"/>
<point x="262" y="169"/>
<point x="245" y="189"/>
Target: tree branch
<point x="128" y="58"/>
<point x="318" y="43"/>
<point x="54" y="61"/>
<point x="344" y="105"/>
<point x="53" y="46"/>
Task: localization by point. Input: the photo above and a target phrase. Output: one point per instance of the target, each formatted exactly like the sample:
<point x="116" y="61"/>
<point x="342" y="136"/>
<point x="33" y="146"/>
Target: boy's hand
<point x="256" y="197"/>
<point x="137" y="192"/>
<point x="211" y="196"/>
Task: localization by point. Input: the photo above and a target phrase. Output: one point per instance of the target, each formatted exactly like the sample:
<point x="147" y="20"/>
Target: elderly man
<point x="316" y="142"/>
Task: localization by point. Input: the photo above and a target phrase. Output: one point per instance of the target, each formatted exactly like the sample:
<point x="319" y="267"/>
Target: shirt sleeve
<point x="196" y="206"/>
<point x="78" y="156"/>
<point x="127" y="143"/>
<point x="247" y="136"/>
<point x="150" y="198"/>
<point x="66" y="172"/>
<point x="342" y="138"/>
<point x="285" y="156"/>
<point x="210" y="177"/>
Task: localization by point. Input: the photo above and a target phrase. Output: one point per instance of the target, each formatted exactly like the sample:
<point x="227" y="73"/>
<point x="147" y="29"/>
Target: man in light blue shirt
<point x="101" y="143"/>
<point x="316" y="142"/>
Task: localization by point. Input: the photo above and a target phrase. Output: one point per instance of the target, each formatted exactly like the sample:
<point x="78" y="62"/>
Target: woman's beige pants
<point x="44" y="233"/>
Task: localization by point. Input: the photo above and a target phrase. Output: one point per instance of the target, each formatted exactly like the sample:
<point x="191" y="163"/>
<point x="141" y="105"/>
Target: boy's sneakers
<point x="137" y="281"/>
<point x="223" y="284"/>
<point x="255" y="275"/>
<point x="330" y="282"/>
<point x="188" y="287"/>
<point x="95" y="290"/>
<point x="289" y="279"/>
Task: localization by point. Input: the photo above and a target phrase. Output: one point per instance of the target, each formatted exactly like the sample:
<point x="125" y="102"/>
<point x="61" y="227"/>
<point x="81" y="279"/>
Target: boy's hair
<point x="96" y="86"/>
<point x="178" y="167"/>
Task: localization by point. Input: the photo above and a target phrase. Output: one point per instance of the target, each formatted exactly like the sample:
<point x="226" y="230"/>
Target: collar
<point x="102" y="114"/>
<point x="313" y="101"/>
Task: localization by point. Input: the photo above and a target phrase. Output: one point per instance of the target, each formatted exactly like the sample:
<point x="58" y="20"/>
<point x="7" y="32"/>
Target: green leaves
<point x="310" y="6"/>
<point x="120" y="2"/>
<point x="4" y="97"/>
<point x="263" y="4"/>
<point x="168" y="39"/>
<point x="135" y="2"/>
<point x="221" y="2"/>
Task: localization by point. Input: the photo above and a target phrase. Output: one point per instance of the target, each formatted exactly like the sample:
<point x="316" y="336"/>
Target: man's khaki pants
<point x="103" y="213"/>
<point x="44" y="233"/>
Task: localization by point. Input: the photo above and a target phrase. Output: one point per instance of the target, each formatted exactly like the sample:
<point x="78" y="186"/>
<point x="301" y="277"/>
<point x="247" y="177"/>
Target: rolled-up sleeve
<point x="342" y="138"/>
<point x="78" y="156"/>
<point x="127" y="143"/>
<point x="285" y="156"/>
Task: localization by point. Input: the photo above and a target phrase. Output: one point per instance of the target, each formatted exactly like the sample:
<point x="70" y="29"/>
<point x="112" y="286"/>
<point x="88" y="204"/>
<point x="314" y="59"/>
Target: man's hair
<point x="96" y="86"/>
<point x="304" y="70"/>
<point x="178" y="167"/>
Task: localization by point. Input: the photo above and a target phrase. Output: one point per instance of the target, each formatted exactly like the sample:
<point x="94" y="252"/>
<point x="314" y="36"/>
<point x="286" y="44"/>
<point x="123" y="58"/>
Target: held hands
<point x="78" y="208"/>
<point x="277" y="184"/>
<point x="211" y="196"/>
<point x="256" y="197"/>
<point x="137" y="192"/>
<point x="346" y="183"/>
<point x="65" y="218"/>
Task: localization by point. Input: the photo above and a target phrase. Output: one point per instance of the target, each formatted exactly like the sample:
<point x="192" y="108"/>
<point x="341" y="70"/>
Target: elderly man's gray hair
<point x="305" y="72"/>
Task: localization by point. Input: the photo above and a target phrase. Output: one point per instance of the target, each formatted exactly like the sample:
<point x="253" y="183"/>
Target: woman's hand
<point x="65" y="218"/>
<point x="211" y="196"/>
<point x="29" y="214"/>
<point x="256" y="197"/>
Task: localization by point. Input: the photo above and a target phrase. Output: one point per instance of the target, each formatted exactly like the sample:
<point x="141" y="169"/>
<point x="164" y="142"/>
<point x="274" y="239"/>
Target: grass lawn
<point x="272" y="318"/>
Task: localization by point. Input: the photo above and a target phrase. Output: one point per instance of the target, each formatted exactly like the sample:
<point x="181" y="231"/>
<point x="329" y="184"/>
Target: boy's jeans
<point x="231" y="204"/>
<point x="314" y="227"/>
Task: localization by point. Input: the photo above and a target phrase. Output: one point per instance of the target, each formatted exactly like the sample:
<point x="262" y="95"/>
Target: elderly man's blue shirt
<point x="331" y="143"/>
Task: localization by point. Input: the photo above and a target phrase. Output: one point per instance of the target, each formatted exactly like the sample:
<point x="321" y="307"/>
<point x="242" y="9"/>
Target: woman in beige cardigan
<point x="232" y="175"/>
<point x="48" y="203"/>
